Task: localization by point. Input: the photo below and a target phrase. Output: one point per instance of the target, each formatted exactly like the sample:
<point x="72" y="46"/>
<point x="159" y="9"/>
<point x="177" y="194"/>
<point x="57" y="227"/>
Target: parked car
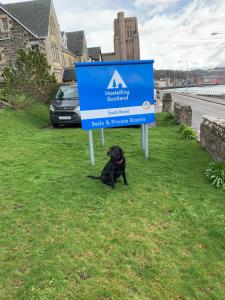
<point x="65" y="106"/>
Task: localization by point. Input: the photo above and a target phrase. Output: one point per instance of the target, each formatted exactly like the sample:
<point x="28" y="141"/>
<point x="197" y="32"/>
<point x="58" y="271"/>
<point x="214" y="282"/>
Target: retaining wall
<point x="212" y="137"/>
<point x="183" y="113"/>
<point x="167" y="102"/>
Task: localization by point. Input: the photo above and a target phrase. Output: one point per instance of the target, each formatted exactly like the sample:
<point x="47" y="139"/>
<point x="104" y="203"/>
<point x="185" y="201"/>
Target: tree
<point x="28" y="80"/>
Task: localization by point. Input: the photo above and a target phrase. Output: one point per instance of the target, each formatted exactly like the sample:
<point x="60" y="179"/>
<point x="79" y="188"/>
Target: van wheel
<point x="55" y="125"/>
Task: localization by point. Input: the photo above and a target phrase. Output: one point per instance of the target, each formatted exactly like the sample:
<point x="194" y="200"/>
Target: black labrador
<point x="114" y="168"/>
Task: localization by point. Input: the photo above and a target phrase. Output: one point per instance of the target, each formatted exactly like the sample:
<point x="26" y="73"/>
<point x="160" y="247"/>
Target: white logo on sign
<point x="116" y="82"/>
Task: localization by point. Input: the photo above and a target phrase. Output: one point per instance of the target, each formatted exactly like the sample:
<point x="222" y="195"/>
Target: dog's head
<point x="116" y="153"/>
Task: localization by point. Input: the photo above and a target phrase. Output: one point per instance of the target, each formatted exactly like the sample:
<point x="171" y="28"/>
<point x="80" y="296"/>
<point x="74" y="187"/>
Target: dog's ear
<point x="121" y="152"/>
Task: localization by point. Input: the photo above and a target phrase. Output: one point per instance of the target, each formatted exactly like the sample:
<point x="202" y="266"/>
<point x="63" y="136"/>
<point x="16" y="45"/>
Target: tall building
<point x="126" y="39"/>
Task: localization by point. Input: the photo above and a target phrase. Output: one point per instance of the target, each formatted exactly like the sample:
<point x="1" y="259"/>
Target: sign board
<point x="117" y="93"/>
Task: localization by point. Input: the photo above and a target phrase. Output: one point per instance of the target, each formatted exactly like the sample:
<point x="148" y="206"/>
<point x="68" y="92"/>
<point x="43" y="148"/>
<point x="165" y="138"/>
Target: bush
<point x="188" y="133"/>
<point x="165" y="119"/>
<point x="216" y="175"/>
<point x="182" y="127"/>
<point x="28" y="80"/>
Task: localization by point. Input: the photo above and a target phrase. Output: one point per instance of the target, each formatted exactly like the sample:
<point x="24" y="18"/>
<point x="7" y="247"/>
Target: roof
<point x="109" y="56"/>
<point x="75" y="42"/>
<point x="67" y="51"/>
<point x="34" y="15"/>
<point x="94" y="52"/>
<point x="69" y="75"/>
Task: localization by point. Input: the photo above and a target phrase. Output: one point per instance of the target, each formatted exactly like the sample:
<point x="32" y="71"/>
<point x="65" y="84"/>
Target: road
<point x="200" y="108"/>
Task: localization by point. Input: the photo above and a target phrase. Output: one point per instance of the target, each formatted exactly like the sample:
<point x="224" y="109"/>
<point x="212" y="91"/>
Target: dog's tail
<point x="94" y="177"/>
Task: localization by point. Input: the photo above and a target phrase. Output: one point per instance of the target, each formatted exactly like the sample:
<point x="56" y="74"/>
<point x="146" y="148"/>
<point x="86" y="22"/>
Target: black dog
<point x="114" y="168"/>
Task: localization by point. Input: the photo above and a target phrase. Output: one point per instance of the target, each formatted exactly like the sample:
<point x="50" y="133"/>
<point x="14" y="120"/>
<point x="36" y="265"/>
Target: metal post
<point x="102" y="137"/>
<point x="146" y="141"/>
<point x="91" y="147"/>
<point x="142" y="137"/>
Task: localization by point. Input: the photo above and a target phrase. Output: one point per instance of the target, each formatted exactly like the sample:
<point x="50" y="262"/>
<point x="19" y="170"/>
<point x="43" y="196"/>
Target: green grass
<point x="63" y="236"/>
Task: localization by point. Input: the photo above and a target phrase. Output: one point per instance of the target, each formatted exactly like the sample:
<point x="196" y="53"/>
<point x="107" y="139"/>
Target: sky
<point x="175" y="33"/>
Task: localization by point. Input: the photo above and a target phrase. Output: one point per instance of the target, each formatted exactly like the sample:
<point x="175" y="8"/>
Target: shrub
<point x="216" y="174"/>
<point x="165" y="119"/>
<point x="188" y="133"/>
<point x="28" y="80"/>
<point x="182" y="127"/>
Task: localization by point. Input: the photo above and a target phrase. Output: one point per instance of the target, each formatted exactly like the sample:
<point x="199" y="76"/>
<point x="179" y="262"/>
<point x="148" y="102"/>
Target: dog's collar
<point x="120" y="162"/>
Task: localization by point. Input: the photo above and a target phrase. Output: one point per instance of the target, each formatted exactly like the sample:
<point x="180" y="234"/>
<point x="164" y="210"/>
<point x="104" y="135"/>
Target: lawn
<point x="63" y="236"/>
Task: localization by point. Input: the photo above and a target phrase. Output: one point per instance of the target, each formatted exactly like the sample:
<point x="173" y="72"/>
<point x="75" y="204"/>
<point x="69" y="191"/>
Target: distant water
<point x="203" y="90"/>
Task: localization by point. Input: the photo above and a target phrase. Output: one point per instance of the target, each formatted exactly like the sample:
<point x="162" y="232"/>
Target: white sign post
<point x="146" y="140"/>
<point x="91" y="148"/>
<point x="142" y="137"/>
<point x="102" y="137"/>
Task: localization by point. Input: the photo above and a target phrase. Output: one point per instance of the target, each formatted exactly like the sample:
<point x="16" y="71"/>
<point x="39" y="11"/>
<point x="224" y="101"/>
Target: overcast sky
<point x="175" y="33"/>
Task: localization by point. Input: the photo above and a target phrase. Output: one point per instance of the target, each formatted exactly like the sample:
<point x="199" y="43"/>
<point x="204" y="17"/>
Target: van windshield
<point x="67" y="93"/>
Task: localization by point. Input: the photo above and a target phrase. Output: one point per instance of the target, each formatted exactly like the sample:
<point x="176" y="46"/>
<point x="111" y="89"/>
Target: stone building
<point x="126" y="39"/>
<point x="34" y="24"/>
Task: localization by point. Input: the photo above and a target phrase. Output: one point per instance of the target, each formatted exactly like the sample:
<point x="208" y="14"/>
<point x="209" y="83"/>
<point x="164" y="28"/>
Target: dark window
<point x="4" y="35"/>
<point x="4" y="29"/>
<point x="5" y="24"/>
<point x="57" y="54"/>
<point x="54" y="51"/>
<point x="129" y="32"/>
<point x="35" y="47"/>
<point x="52" y="25"/>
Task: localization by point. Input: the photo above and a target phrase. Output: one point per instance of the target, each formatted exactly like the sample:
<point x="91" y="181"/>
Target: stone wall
<point x="54" y="45"/>
<point x="183" y="113"/>
<point x="212" y="137"/>
<point x="19" y="38"/>
<point x="167" y="102"/>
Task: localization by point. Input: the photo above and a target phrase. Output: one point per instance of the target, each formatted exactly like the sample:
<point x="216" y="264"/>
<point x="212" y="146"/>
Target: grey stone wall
<point x="167" y="102"/>
<point x="19" y="38"/>
<point x="183" y="113"/>
<point x="212" y="137"/>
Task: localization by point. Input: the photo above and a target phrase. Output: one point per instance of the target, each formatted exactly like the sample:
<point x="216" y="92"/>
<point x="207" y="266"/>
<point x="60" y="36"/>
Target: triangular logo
<point x="117" y="82"/>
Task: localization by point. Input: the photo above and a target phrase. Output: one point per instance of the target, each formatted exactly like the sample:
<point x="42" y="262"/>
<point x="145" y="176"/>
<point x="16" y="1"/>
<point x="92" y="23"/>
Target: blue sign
<point x="114" y="94"/>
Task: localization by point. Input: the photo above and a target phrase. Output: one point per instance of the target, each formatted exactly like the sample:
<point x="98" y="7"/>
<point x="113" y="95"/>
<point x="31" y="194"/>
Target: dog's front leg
<point x="112" y="181"/>
<point x="124" y="178"/>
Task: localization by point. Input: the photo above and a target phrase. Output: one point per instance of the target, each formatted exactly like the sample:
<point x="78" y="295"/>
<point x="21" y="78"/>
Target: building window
<point x="52" y="25"/>
<point x="4" y="28"/>
<point x="55" y="53"/>
<point x="2" y="57"/>
<point x="129" y="32"/>
<point x="5" y="24"/>
<point x="35" y="47"/>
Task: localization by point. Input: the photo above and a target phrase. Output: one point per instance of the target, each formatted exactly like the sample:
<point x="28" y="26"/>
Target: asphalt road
<point x="200" y="108"/>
